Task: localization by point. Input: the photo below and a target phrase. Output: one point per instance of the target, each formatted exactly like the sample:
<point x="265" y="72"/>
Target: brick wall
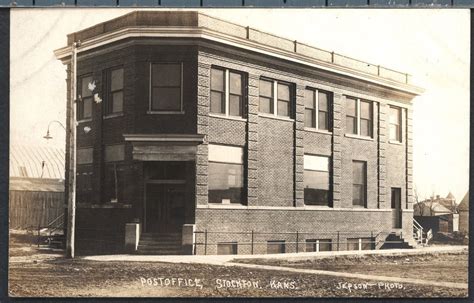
<point x="277" y="223"/>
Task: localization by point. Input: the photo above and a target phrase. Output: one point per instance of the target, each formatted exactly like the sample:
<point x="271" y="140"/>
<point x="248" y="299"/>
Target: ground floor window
<point x="315" y="245"/>
<point x="227" y="248"/>
<point x="360" y="244"/>
<point x="276" y="247"/>
<point x="316" y="180"/>
<point x="226" y="174"/>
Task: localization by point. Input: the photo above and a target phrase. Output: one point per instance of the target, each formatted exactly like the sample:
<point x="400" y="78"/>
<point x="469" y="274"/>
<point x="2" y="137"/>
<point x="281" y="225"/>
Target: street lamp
<point x="48" y="136"/>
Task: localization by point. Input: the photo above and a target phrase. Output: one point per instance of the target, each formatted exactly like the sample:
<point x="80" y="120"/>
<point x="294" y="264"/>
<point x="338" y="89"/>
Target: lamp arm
<point x="56" y="121"/>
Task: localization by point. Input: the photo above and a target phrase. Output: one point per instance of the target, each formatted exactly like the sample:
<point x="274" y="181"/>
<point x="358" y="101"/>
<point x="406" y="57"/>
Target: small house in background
<point x="36" y="192"/>
<point x="463" y="209"/>
<point x="438" y="214"/>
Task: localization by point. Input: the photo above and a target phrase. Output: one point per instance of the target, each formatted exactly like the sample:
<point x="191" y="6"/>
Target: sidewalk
<point x="222" y="259"/>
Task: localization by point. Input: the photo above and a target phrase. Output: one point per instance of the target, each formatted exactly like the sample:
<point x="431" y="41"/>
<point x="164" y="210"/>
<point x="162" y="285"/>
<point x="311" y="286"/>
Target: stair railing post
<point x="297" y="241"/>
<point x="338" y="241"/>
<point x="205" y="241"/>
<point x="251" y="245"/>
<point x="39" y="237"/>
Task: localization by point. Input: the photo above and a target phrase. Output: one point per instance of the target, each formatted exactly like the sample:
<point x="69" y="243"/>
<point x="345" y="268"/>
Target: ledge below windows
<point x="155" y="112"/>
<point x="114" y="115"/>
<point x="291" y="208"/>
<point x="395" y="142"/>
<point x="234" y="118"/>
<point x="270" y="116"/>
<point x="318" y="131"/>
<point x="104" y="205"/>
<point x="359" y="137"/>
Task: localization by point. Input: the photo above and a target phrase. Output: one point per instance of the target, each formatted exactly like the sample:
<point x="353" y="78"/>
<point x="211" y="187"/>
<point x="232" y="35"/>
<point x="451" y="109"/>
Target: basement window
<point x="276" y="247"/>
<point x="227" y="248"/>
<point x="316" y="245"/>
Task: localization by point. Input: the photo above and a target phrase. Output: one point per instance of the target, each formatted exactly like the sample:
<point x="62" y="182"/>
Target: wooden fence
<point x="30" y="209"/>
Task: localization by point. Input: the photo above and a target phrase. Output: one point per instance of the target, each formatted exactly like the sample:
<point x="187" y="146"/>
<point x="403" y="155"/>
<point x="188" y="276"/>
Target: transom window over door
<point x="166" y="89"/>
<point x="316" y="181"/>
<point x="227" y="92"/>
<point x="359" y="117"/>
<point x="317" y="107"/>
<point x="226" y="174"/>
<point x="275" y="98"/>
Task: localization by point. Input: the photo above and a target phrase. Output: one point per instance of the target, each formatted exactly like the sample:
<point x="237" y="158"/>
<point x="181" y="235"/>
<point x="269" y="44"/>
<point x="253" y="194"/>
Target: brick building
<point x="194" y="130"/>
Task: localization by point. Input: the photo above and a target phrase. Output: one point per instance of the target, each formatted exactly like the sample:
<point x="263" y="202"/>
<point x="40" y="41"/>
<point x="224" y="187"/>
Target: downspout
<point x="70" y="246"/>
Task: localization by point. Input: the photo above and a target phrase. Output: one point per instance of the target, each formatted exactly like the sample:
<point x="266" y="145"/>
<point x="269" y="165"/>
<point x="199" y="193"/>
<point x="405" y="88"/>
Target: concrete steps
<point x="160" y="244"/>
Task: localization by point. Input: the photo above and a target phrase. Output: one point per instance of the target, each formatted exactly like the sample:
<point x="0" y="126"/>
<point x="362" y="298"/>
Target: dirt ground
<point x="46" y="274"/>
<point x="451" y="267"/>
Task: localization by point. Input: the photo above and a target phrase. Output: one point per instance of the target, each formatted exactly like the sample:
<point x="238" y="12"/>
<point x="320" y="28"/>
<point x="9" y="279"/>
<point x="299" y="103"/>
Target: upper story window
<point x="275" y="95"/>
<point x="227" y="92"/>
<point x="226" y="174"/>
<point x="316" y="180"/>
<point x="114" y="91"/>
<point x="359" y="117"/>
<point x="166" y="89"/>
<point x="359" y="183"/>
<point x="317" y="107"/>
<point x="84" y="104"/>
<point x="395" y="119"/>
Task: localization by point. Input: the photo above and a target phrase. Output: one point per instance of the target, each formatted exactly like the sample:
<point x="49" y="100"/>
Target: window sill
<point x="359" y="137"/>
<point x="319" y="131"/>
<point x="114" y="115"/>
<point x="235" y="118"/>
<point x="84" y="120"/>
<point x="276" y="117"/>
<point x="155" y="112"/>
<point x="317" y="207"/>
<point x="395" y="142"/>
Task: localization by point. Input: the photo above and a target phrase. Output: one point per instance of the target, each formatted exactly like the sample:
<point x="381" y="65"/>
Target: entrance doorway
<point x="397" y="207"/>
<point x="164" y="197"/>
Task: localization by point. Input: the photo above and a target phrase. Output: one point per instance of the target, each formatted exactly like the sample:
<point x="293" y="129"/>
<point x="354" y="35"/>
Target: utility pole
<point x="72" y="140"/>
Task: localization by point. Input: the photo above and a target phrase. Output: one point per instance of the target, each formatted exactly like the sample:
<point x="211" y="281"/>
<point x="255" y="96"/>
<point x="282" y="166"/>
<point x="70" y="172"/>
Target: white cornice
<point x="250" y="45"/>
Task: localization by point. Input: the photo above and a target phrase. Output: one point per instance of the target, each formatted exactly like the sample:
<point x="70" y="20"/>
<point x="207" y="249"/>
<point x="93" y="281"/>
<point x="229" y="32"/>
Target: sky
<point x="430" y="44"/>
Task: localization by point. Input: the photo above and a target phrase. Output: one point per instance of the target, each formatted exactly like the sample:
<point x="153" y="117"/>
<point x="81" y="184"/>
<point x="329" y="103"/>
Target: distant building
<point x="36" y="186"/>
<point x="463" y="209"/>
<point x="438" y="214"/>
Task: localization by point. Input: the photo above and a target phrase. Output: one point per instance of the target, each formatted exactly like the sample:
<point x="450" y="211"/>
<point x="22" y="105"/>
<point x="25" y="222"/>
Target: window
<point x="359" y="183"/>
<point x="359" y="119"/>
<point x="316" y="180"/>
<point x="395" y="118"/>
<point x="227" y="248"/>
<point x="114" y="97"/>
<point x="166" y="87"/>
<point x="315" y="245"/>
<point x="275" y="95"/>
<point x="276" y="247"/>
<point x="317" y="105"/>
<point x="84" y="104"/>
<point x="227" y="94"/>
<point x="360" y="243"/>
<point x="226" y="174"/>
